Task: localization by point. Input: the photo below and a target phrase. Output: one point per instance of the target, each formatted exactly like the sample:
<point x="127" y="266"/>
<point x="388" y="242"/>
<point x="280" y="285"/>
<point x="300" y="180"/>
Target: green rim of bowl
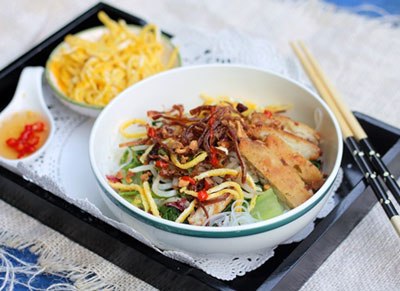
<point x="62" y="96"/>
<point x="205" y="233"/>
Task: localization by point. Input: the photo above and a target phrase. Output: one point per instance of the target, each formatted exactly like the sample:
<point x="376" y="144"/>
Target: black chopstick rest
<point x="381" y="168"/>
<point x="371" y="176"/>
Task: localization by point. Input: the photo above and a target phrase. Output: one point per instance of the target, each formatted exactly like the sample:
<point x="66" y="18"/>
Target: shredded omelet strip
<point x="125" y="125"/>
<point x="132" y="187"/>
<point x="217" y="172"/>
<point x="152" y="203"/>
<point x="188" y="192"/>
<point x="198" y="159"/>
<point x="182" y="217"/>
<point x="253" y="202"/>
<point x="220" y="100"/>
<point x="222" y="188"/>
<point x="94" y="72"/>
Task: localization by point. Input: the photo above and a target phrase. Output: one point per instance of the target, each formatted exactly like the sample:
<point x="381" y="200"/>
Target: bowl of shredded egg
<point x="88" y="69"/>
<point x="216" y="158"/>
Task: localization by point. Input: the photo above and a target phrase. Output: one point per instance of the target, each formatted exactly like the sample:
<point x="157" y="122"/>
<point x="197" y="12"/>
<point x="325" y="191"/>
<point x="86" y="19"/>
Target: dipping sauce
<point x="22" y="134"/>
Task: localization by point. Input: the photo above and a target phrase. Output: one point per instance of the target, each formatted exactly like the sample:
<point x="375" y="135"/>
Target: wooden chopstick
<point x="352" y="131"/>
<point x="355" y="127"/>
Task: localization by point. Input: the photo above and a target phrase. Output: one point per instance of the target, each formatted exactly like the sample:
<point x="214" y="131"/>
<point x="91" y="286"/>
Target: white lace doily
<point x="196" y="47"/>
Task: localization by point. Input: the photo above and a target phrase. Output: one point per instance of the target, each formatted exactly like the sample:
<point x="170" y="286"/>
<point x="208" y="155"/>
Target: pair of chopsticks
<point x="368" y="160"/>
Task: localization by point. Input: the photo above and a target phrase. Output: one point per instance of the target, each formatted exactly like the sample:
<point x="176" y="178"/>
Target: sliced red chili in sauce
<point x="268" y="113"/>
<point x="161" y="164"/>
<point x="189" y="179"/>
<point x="202" y="195"/>
<point x="151" y="132"/>
<point x="27" y="141"/>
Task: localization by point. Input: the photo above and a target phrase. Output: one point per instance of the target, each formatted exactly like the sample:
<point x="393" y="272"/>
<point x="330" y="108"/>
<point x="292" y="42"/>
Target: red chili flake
<point x="27" y="141"/>
<point x="21" y="154"/>
<point x="33" y="140"/>
<point x="27" y="133"/>
<point x="189" y="179"/>
<point x="12" y="142"/>
<point x="38" y="126"/>
<point x="28" y="127"/>
<point x="19" y="146"/>
<point x="268" y="113"/>
<point x="151" y="132"/>
<point x="202" y="195"/>
<point x="161" y="164"/>
<point x="30" y="149"/>
<point x="214" y="160"/>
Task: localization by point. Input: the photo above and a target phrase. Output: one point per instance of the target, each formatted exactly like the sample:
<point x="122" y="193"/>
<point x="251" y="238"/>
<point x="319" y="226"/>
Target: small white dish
<point x="183" y="86"/>
<point x="28" y="97"/>
<point x="93" y="34"/>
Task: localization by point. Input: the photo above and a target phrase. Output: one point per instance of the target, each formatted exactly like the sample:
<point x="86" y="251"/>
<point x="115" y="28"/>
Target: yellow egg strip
<point x="94" y="72"/>
<point x="126" y="124"/>
<point x="252" y="202"/>
<point x="279" y="107"/>
<point x="250" y="182"/>
<point x="124" y="187"/>
<point x="220" y="190"/>
<point x="217" y="172"/>
<point x="237" y="193"/>
<point x="188" y="192"/>
<point x="182" y="217"/>
<point x="132" y="187"/>
<point x="152" y="203"/>
<point x="198" y="159"/>
<point x="144" y="201"/>
<point x="226" y="184"/>
<point x="220" y="100"/>
<point x="207" y="100"/>
<point x="234" y="193"/>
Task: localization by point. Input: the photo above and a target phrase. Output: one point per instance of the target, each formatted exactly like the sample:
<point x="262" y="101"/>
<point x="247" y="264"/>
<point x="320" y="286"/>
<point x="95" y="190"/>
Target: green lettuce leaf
<point x="267" y="206"/>
<point x="168" y="212"/>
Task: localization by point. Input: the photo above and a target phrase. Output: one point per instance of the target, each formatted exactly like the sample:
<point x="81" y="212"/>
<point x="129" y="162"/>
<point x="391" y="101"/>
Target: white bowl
<point x="183" y="86"/>
<point x="94" y="34"/>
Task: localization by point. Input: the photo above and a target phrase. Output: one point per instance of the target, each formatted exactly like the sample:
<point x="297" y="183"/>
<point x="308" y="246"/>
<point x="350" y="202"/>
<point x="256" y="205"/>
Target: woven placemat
<point x="57" y="255"/>
<point x="368" y="259"/>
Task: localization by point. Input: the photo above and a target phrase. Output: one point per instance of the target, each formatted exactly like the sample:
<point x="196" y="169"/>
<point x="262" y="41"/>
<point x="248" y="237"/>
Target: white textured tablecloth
<point x="361" y="56"/>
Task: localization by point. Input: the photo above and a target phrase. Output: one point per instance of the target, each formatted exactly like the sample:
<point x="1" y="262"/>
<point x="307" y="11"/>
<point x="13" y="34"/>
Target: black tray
<point x="292" y="264"/>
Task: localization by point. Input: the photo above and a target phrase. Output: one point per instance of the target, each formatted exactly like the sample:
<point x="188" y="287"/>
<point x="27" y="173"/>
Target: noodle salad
<point x="220" y="164"/>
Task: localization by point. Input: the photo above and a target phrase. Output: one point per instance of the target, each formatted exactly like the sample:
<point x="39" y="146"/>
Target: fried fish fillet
<point x="307" y="171"/>
<point x="286" y="124"/>
<point x="304" y="147"/>
<point x="199" y="217"/>
<point x="285" y="180"/>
